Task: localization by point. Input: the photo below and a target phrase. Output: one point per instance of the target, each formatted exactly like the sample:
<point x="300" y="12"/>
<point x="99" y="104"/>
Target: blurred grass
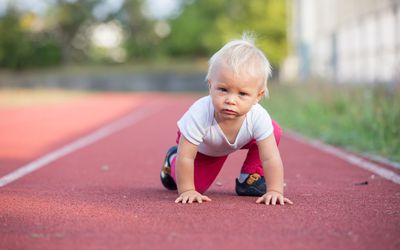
<point x="359" y="118"/>
<point x="32" y="97"/>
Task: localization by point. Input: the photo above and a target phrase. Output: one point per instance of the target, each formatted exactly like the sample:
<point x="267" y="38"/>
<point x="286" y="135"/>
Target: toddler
<point x="226" y="120"/>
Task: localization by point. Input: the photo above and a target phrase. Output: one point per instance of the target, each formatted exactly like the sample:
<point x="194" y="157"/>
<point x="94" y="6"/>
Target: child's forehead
<point x="228" y="77"/>
<point x="224" y="72"/>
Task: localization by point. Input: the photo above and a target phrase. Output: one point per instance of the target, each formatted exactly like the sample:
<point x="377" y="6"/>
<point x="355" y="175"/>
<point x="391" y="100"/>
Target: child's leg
<point x="206" y="169"/>
<point x="252" y="163"/>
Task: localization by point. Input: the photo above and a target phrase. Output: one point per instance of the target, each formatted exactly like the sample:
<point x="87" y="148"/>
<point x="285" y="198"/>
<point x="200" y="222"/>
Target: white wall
<point x="355" y="41"/>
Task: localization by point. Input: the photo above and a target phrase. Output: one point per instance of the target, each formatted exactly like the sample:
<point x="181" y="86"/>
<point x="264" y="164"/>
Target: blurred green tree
<point x="204" y="26"/>
<point x="14" y="48"/>
<point x="20" y="48"/>
<point x="194" y="32"/>
<point x="199" y="30"/>
<point x="65" y="18"/>
<point x="141" y="41"/>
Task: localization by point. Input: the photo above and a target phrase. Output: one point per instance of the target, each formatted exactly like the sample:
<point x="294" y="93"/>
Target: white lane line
<point x="97" y="135"/>
<point x="353" y="159"/>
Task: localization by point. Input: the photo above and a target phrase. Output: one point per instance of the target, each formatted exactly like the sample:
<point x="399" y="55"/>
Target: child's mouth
<point x="229" y="112"/>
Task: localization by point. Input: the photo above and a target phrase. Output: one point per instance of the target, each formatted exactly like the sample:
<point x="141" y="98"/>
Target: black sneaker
<point x="253" y="186"/>
<point x="165" y="175"/>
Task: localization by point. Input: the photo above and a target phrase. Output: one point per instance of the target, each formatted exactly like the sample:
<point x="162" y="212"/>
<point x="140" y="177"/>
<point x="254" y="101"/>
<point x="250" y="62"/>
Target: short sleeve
<point x="194" y="122"/>
<point x="262" y="123"/>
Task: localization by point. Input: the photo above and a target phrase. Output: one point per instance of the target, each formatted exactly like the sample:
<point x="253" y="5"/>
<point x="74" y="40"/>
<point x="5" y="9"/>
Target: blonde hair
<point x="242" y="56"/>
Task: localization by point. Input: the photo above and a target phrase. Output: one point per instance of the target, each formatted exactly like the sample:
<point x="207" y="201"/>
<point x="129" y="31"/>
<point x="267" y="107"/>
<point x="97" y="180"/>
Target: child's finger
<point x="184" y="199"/>
<point x="288" y="201"/>
<point x="268" y="199"/>
<point x="199" y="199"/>
<point x="205" y="198"/>
<point x="191" y="199"/>
<point x="273" y="201"/>
<point x="179" y="199"/>
<point x="260" y="199"/>
<point x="281" y="200"/>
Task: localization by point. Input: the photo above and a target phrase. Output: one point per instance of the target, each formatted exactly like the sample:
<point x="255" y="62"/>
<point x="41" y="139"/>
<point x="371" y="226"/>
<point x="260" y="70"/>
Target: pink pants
<point x="206" y="168"/>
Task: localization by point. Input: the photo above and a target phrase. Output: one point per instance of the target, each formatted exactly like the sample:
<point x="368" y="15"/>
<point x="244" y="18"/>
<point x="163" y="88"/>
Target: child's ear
<point x="260" y="95"/>
<point x="209" y="84"/>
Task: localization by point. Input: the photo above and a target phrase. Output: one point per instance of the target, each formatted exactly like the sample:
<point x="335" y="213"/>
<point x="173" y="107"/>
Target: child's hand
<point x="190" y="196"/>
<point x="272" y="197"/>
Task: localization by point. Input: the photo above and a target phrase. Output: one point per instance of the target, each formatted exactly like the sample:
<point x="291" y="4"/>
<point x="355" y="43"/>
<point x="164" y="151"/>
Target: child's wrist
<point x="274" y="190"/>
<point x="186" y="190"/>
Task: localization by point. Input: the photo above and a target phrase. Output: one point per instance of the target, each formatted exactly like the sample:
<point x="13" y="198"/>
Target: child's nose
<point x="230" y="99"/>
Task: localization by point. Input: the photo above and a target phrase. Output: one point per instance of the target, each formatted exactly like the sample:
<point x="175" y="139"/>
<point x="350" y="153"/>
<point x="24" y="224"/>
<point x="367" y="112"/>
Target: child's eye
<point x="222" y="89"/>
<point x="243" y="94"/>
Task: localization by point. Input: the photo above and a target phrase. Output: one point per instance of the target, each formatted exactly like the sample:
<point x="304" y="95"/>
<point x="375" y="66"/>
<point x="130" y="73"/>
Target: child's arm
<point x="185" y="173"/>
<point x="273" y="171"/>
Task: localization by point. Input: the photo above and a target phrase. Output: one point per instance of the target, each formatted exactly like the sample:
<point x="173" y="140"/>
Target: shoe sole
<point x="166" y="179"/>
<point x="249" y="191"/>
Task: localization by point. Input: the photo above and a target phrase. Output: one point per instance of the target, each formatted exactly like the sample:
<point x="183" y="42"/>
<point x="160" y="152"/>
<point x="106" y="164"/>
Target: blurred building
<point x="345" y="41"/>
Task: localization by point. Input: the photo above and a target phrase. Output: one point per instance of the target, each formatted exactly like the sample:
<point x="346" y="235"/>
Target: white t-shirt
<point x="199" y="126"/>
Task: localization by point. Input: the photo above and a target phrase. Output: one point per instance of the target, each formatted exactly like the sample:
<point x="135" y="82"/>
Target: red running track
<point x="108" y="195"/>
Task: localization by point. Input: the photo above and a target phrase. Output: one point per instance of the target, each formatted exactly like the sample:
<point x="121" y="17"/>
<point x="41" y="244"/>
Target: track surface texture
<point x="107" y="195"/>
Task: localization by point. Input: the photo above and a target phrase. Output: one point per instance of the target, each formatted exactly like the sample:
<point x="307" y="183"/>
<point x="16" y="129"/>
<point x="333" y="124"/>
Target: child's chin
<point x="229" y="116"/>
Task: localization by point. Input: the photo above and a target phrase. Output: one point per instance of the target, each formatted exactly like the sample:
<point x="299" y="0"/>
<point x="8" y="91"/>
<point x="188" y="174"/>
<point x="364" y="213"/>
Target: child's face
<point x="233" y="96"/>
